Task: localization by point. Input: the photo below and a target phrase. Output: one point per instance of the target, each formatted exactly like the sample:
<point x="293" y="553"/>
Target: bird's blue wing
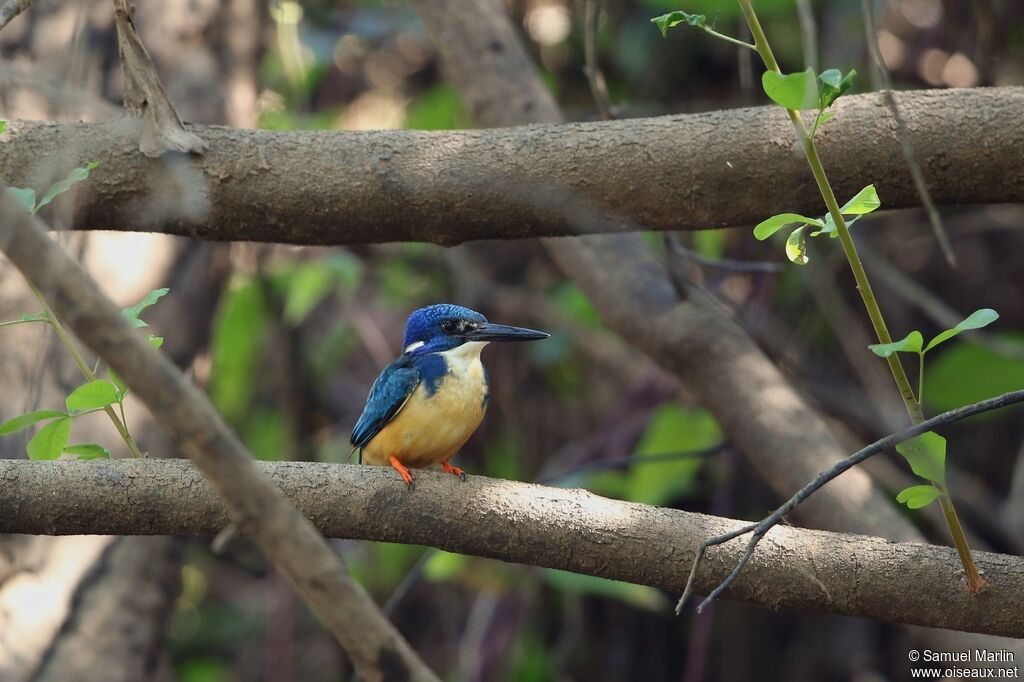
<point x="387" y="396"/>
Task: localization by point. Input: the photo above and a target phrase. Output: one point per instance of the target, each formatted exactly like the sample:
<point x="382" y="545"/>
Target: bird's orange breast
<point x="430" y="428"/>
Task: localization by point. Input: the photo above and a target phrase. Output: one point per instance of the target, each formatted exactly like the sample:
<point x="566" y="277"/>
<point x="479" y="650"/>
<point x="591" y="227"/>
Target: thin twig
<point x="762" y="527"/>
<point x="595" y="77"/>
<point x="903" y="134"/>
<point x="11" y="9"/>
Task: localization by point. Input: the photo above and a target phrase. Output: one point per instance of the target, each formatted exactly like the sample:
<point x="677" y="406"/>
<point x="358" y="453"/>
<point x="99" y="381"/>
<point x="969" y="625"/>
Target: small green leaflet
<point x="61" y="186"/>
<point x="796" y="245"/>
<point x="50" y="440"/>
<point x="667" y="21"/>
<point x="976" y="320"/>
<point x="911" y="343"/>
<point x="917" y="496"/>
<point x="3" y="126"/>
<point x="26" y="196"/>
<point x="88" y="451"/>
<point x="926" y="455"/>
<point x="766" y="228"/>
<point x="796" y="91"/>
<point x="20" y="422"/>
<point x="864" y="202"/>
<point x="834" y="85"/>
<point x="98" y="393"/>
<point x="132" y="314"/>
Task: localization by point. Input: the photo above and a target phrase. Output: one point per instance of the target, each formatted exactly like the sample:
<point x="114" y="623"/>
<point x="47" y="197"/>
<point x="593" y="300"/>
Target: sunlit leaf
<point x="61" y="186"/>
<point x="834" y="86"/>
<point x="797" y="91"/>
<point x="239" y="333"/>
<point x="865" y="201"/>
<point x="796" y="246"/>
<point x="926" y="455"/>
<point x="770" y="226"/>
<point x="132" y="314"/>
<point x="444" y="566"/>
<point x="88" y="451"/>
<point x="964" y="373"/>
<point x="3" y="126"/>
<point x="309" y="283"/>
<point x="20" y="422"/>
<point x="50" y="440"/>
<point x="917" y="496"/>
<point x="156" y="341"/>
<point x="26" y="196"/>
<point x="976" y="320"/>
<point x="98" y="393"/>
<point x="911" y="343"/>
<point x="667" y="21"/>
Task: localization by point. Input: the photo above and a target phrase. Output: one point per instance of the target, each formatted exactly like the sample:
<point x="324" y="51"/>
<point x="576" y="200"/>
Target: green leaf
<point x="20" y="422"/>
<point x="825" y="117"/>
<point x="88" y="451"/>
<point x="865" y="201"/>
<point x="834" y="85"/>
<point x="240" y="330"/>
<point x="976" y="320"/>
<point x="796" y="246"/>
<point x="926" y="455"/>
<point x="132" y="314"/>
<point x="444" y="566"/>
<point x="797" y="91"/>
<point x="667" y="21"/>
<point x="50" y="440"/>
<point x="3" y="126"/>
<point x="98" y="393"/>
<point x="917" y="496"/>
<point x="26" y="196"/>
<point x="911" y="343"/>
<point x="156" y="341"/>
<point x="61" y="186"/>
<point x="766" y="228"/>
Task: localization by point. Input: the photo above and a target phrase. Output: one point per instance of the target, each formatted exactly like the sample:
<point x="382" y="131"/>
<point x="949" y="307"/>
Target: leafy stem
<point x="912" y="402"/>
<point x="69" y="344"/>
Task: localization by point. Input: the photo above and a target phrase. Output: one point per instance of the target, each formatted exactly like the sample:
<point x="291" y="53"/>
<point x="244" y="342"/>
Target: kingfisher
<point x="426" y="404"/>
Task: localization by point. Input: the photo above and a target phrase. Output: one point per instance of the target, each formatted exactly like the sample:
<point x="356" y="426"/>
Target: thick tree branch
<point x="526" y="523"/>
<point x="675" y="172"/>
<point x="288" y="540"/>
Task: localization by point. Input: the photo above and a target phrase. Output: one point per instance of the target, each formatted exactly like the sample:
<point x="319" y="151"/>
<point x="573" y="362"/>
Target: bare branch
<point x="260" y="510"/>
<point x="683" y="172"/>
<point x="144" y="94"/>
<point x="760" y="528"/>
<point x="526" y="523"/>
<point x="11" y="9"/>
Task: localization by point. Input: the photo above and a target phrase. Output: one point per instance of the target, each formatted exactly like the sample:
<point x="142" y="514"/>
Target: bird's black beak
<point x="502" y="332"/>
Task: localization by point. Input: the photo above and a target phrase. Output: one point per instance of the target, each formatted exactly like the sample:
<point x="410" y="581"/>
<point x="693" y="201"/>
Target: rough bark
<point x="785" y="440"/>
<point x="526" y="523"/>
<point x="288" y="540"/>
<point x="715" y="169"/>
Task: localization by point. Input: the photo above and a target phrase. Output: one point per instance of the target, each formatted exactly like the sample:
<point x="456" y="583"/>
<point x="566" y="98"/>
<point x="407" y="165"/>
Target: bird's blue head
<point x="444" y="326"/>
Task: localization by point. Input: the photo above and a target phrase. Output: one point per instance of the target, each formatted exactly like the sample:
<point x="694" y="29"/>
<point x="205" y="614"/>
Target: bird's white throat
<point x="461" y="358"/>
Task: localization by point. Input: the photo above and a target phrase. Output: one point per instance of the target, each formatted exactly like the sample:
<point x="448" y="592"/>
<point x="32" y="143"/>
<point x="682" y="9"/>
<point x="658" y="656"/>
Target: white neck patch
<point x="461" y="357"/>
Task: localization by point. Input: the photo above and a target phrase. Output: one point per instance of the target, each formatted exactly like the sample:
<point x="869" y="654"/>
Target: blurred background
<point x="287" y="340"/>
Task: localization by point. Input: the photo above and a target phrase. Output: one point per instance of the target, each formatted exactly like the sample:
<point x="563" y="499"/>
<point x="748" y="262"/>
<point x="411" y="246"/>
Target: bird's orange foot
<point x="402" y="471"/>
<point x="453" y="470"/>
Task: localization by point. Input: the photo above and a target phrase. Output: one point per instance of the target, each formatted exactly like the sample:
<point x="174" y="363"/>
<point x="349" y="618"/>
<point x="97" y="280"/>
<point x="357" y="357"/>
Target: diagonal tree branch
<point x="722" y="168"/>
<point x="519" y="522"/>
<point x="259" y="509"/>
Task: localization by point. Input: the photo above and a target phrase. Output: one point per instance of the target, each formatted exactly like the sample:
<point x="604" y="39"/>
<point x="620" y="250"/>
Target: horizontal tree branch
<point x="526" y="523"/>
<point x="693" y="171"/>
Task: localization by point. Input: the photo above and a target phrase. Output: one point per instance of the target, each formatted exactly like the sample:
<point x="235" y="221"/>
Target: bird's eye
<point x="450" y="326"/>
